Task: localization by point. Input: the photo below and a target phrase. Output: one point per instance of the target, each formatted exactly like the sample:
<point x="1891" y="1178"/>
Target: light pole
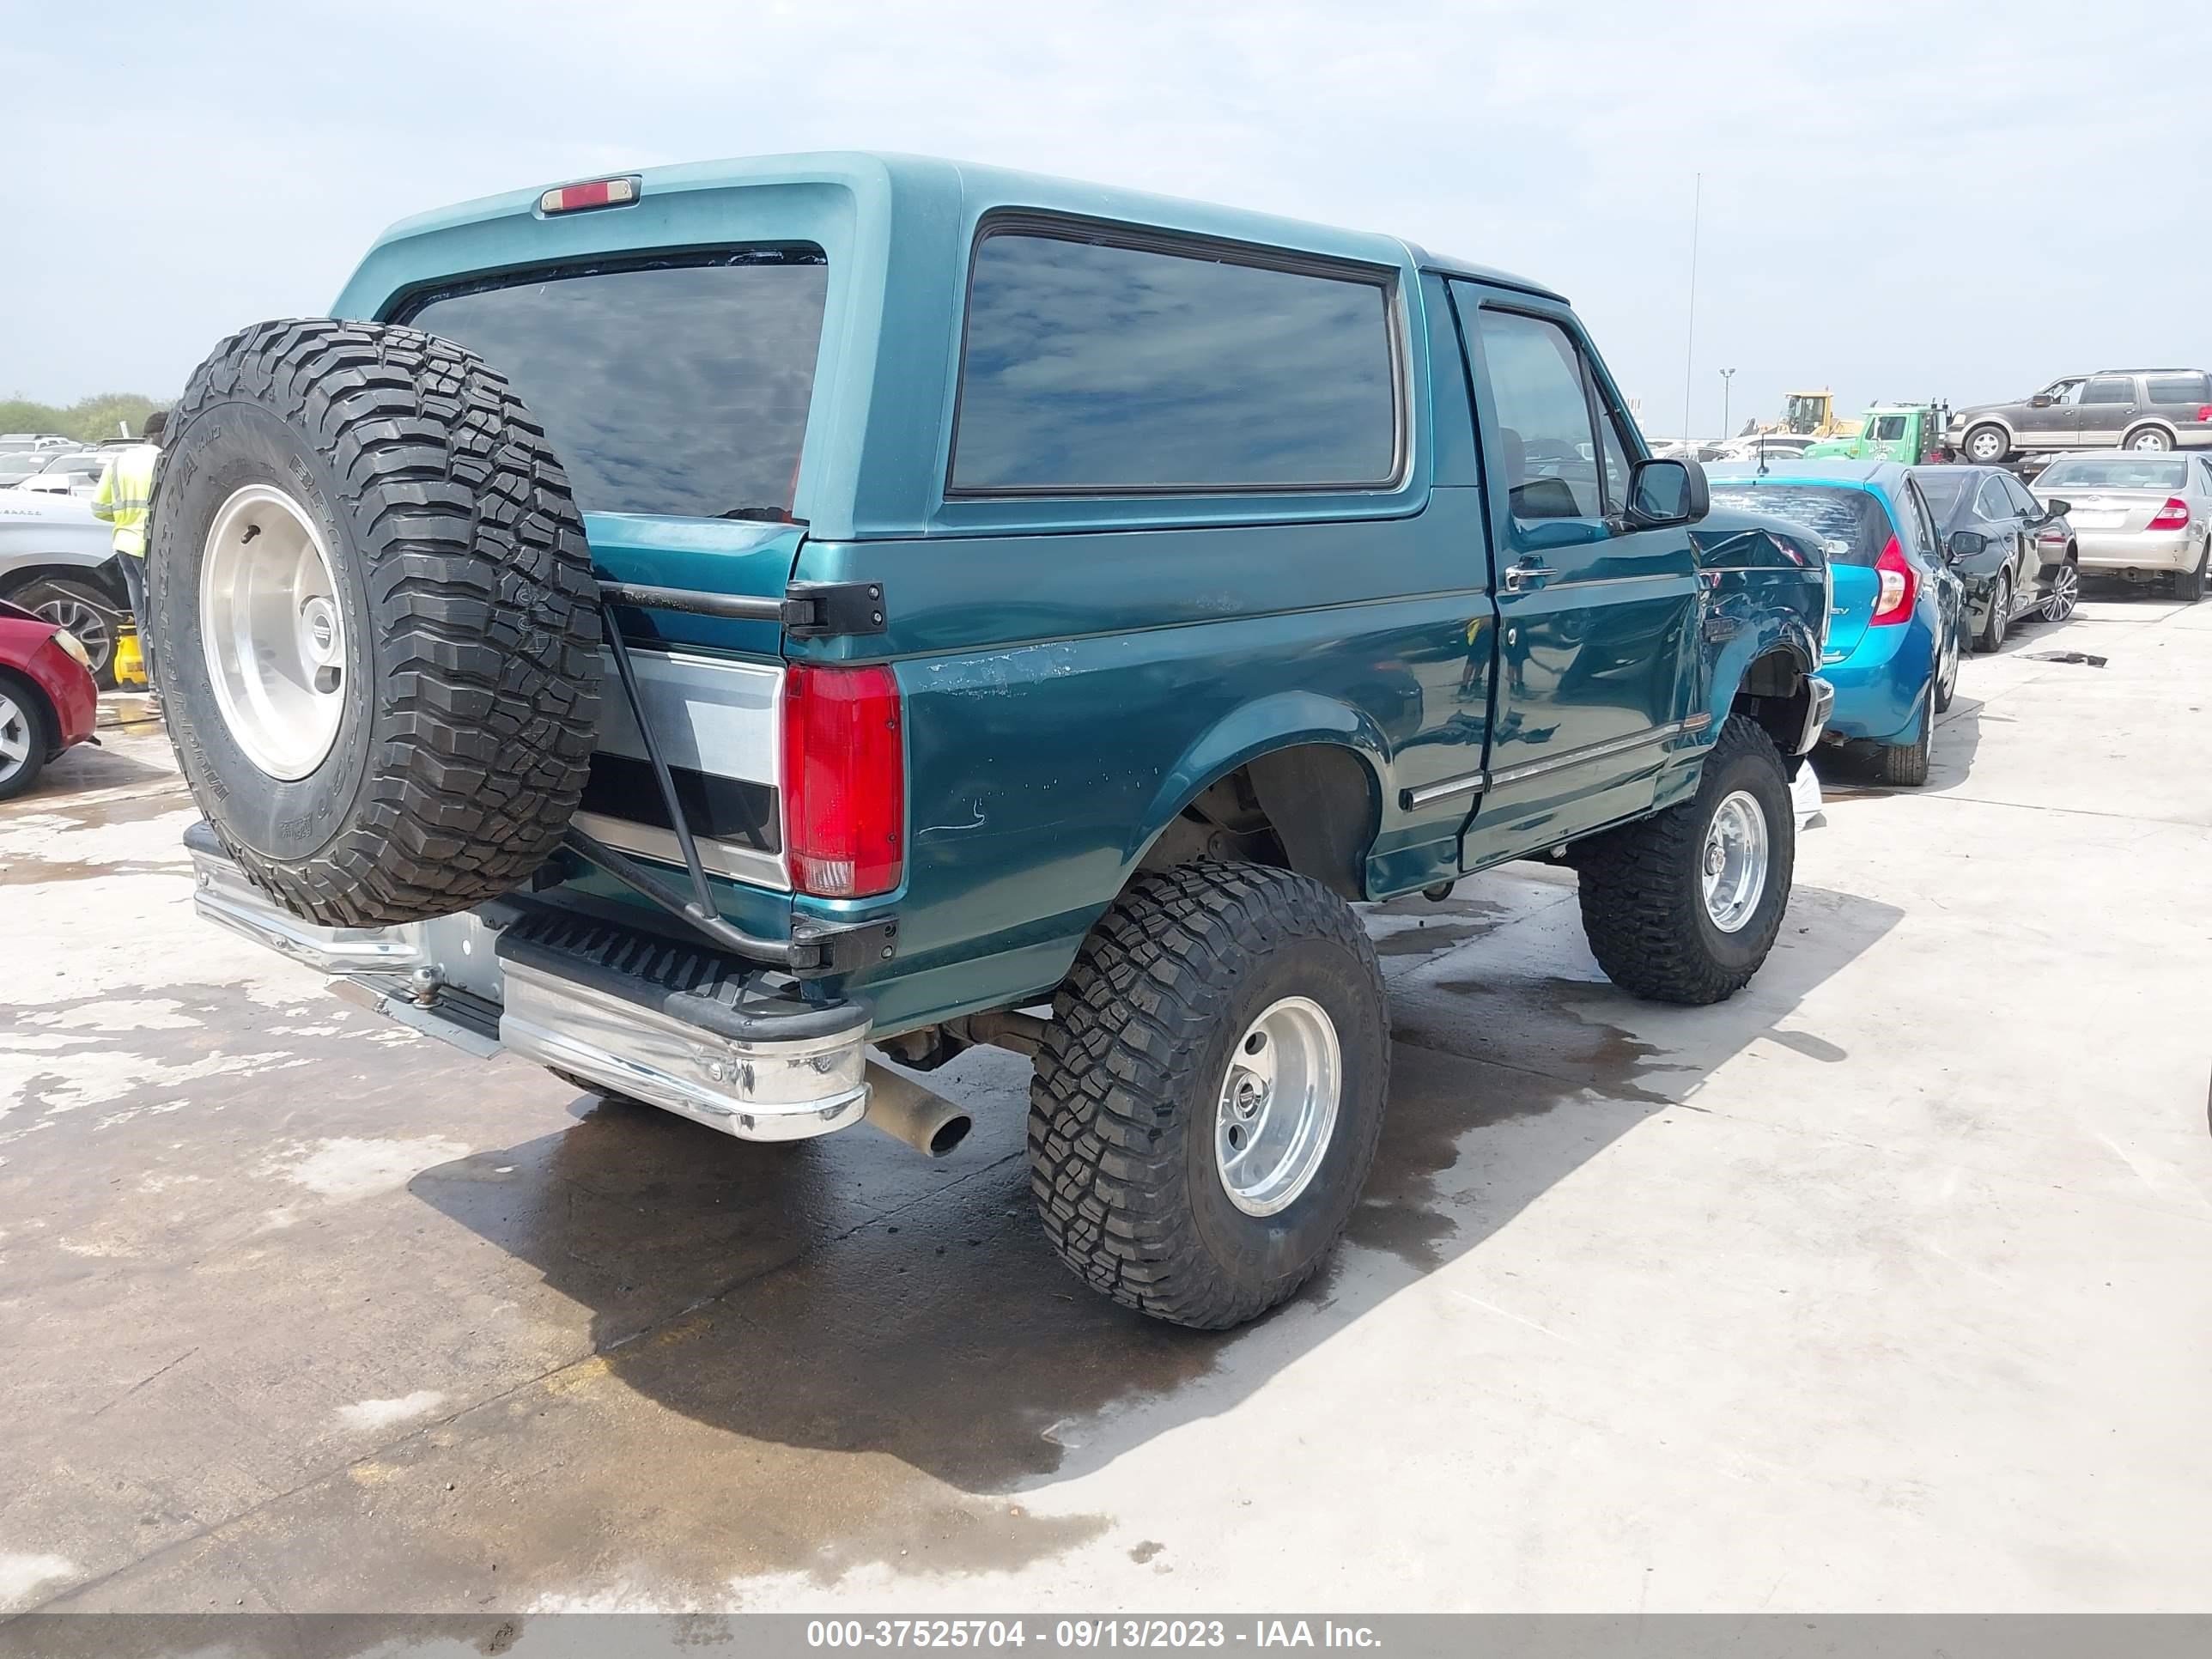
<point x="1727" y="374"/>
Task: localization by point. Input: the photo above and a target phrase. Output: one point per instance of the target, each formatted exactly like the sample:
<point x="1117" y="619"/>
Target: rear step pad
<point x="702" y="988"/>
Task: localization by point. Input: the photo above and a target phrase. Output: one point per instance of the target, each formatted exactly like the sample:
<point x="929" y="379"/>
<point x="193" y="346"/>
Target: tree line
<point x="88" y="420"/>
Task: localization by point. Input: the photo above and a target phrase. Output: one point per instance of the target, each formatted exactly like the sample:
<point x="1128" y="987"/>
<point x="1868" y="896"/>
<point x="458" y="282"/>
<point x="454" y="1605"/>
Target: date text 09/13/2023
<point x="1087" y="1633"/>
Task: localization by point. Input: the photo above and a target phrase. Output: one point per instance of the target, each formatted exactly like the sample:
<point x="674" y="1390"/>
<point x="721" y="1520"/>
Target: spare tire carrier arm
<point x="830" y="950"/>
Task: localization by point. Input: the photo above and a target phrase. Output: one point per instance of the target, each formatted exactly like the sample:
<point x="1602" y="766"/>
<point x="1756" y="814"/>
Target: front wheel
<point x="1684" y="906"/>
<point x="1985" y="445"/>
<point x="1209" y="1094"/>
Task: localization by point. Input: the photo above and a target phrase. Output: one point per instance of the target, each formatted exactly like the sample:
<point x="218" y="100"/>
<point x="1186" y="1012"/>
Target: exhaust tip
<point x="950" y="1134"/>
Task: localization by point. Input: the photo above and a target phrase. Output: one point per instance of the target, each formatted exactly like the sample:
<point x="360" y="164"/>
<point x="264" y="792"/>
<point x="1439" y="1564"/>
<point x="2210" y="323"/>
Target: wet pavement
<point x="1887" y="1284"/>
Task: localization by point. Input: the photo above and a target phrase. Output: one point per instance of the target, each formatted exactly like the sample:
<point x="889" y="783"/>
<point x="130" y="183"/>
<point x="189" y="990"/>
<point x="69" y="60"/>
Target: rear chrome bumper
<point x="699" y="1035"/>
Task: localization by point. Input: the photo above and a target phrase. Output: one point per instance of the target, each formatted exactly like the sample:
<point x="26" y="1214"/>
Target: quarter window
<point x="2180" y="388"/>
<point x="1538" y="386"/>
<point x="1095" y="368"/>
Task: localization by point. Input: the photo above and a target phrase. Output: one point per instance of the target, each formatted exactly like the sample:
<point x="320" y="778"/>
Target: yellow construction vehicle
<point x="1808" y="414"/>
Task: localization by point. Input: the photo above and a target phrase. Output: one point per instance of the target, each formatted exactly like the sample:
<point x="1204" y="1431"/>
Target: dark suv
<point x="2154" y="409"/>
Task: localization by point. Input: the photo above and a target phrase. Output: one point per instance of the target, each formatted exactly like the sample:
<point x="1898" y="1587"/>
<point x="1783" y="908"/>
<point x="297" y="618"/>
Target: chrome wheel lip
<point x="1734" y="859"/>
<point x="1281" y="1097"/>
<point x="272" y="629"/>
<point x="15" y="737"/>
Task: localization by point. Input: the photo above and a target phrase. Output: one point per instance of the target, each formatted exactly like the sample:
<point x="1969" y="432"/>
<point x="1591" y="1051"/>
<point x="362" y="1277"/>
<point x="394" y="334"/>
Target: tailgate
<point x="1856" y="587"/>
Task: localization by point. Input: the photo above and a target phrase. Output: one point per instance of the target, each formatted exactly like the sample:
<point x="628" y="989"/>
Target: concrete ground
<point x="1886" y="1285"/>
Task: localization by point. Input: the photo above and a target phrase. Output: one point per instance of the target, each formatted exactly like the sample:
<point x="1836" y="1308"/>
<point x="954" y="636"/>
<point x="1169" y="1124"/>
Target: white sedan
<point x="2137" y="515"/>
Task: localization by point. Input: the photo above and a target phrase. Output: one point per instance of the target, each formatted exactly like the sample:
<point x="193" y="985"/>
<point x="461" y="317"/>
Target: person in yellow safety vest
<point x="127" y="492"/>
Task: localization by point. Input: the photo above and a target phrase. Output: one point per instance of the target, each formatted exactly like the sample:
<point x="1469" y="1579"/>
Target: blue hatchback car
<point x="1895" y="631"/>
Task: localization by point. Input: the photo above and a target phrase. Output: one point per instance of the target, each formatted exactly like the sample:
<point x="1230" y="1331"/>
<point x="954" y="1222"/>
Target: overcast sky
<point x="1899" y="200"/>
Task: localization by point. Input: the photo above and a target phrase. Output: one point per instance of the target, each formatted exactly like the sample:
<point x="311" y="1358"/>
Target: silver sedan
<point x="2137" y="514"/>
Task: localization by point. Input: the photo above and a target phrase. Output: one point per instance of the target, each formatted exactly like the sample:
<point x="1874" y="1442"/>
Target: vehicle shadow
<point x="785" y="1303"/>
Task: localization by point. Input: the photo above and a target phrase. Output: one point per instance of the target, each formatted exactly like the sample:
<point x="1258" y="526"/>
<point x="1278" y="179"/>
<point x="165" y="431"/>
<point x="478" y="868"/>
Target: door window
<point x="2022" y="502"/>
<point x="1888" y="428"/>
<point x="1920" y="525"/>
<point x="1539" y="390"/>
<point x="1993" y="505"/>
<point x="2109" y="389"/>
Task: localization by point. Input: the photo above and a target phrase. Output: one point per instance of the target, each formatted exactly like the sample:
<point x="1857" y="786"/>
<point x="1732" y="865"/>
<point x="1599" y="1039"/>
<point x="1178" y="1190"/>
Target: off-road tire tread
<point x="1112" y="1098"/>
<point x="481" y="590"/>
<point x="1637" y="908"/>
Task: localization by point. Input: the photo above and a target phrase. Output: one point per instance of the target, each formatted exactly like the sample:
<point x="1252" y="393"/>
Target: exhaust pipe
<point x="922" y="1118"/>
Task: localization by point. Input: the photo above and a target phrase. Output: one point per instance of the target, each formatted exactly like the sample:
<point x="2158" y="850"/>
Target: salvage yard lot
<point x="1886" y="1285"/>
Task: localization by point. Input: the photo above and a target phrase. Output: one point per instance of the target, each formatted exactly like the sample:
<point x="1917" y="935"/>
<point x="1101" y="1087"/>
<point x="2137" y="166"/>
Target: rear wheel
<point x="2065" y="593"/>
<point x="1999" y="622"/>
<point x="1684" y="906"/>
<point x="1985" y="445"/>
<point x="2151" y="439"/>
<point x="1906" y="765"/>
<point x="22" y="736"/>
<point x="85" y="609"/>
<point x="1947" y="673"/>
<point x="375" y="628"/>
<point x="1210" y="1091"/>
<point x="2189" y="585"/>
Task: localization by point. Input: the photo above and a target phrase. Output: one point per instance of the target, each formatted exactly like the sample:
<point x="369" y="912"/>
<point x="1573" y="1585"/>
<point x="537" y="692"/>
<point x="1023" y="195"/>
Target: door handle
<point x="1525" y="573"/>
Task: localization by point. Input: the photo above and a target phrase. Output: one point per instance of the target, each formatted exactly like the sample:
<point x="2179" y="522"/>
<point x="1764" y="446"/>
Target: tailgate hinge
<point x="817" y="611"/>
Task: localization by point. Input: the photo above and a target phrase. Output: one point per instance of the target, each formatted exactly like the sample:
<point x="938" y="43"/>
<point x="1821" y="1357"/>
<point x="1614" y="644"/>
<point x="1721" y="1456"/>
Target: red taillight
<point x="1900" y="582"/>
<point x="844" y="780"/>
<point x="599" y="192"/>
<point x="2174" y="515"/>
<point x="2204" y="413"/>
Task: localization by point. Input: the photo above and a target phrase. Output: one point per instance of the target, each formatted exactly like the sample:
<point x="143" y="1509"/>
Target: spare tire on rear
<point x="375" y="628"/>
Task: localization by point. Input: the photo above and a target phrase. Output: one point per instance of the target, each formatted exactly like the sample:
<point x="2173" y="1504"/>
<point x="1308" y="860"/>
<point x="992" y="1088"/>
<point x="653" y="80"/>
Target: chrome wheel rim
<point x="1986" y="447"/>
<point x="15" y="737"/>
<point x="2150" y="440"/>
<point x="273" y="632"/>
<point x="89" y="627"/>
<point x="1735" y="858"/>
<point x="2065" y="593"/>
<point x="1278" y="1106"/>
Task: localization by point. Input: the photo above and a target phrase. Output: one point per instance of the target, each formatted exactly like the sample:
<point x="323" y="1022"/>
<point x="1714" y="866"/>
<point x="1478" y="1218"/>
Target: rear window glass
<point x="677" y="389"/>
<point x="2118" y="472"/>
<point x="1942" y="488"/>
<point x="1853" y="518"/>
<point x="1092" y="367"/>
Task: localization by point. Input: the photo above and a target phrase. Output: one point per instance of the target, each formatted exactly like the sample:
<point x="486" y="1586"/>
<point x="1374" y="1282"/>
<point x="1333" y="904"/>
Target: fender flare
<point x="1771" y="633"/>
<point x="1285" y="720"/>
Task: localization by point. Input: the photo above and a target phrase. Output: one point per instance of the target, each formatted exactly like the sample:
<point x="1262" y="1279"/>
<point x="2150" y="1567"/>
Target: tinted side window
<point x="1538" y="390"/>
<point x="2022" y="502"/>
<point x="2180" y="388"/>
<point x="1090" y="367"/>
<point x="2109" y="389"/>
<point x="678" y="389"/>
<point x="1993" y="504"/>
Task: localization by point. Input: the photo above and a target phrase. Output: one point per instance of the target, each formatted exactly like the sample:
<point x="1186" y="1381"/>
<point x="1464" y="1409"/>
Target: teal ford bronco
<point x="716" y="630"/>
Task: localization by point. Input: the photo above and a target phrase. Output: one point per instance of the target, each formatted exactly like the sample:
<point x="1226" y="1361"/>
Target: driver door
<point x="1593" y="616"/>
<point x="2053" y="426"/>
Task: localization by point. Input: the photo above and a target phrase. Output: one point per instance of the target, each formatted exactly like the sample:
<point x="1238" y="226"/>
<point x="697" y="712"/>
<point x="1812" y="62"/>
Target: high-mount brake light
<point x="844" y="779"/>
<point x="2174" y="515"/>
<point x="598" y="193"/>
<point x="1900" y="583"/>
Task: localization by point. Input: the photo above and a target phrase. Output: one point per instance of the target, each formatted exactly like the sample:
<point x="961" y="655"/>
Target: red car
<point x="47" y="697"/>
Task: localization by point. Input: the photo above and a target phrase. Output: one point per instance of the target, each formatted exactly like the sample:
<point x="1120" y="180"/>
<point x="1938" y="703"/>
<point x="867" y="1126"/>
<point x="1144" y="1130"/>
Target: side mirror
<point x="2039" y="401"/>
<point x="1966" y="543"/>
<point x="2055" y="509"/>
<point x="1667" y="492"/>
